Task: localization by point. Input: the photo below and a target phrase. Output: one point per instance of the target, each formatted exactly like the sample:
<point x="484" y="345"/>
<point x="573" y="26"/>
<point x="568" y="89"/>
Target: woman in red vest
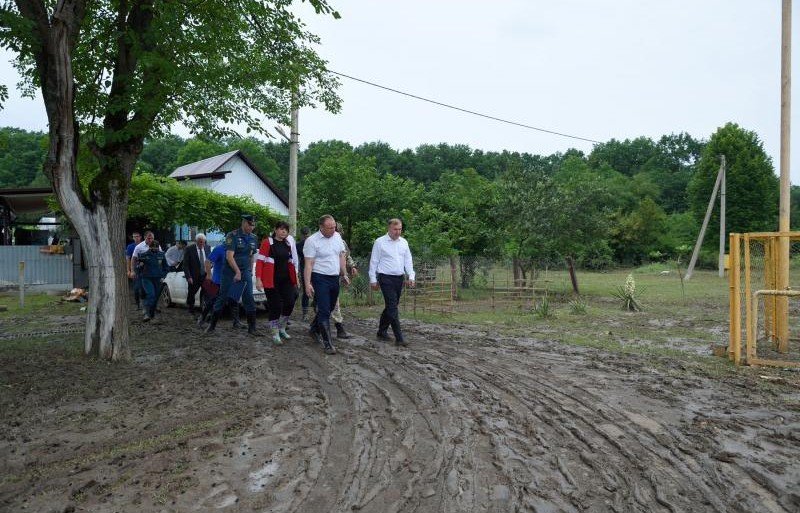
<point x="276" y="274"/>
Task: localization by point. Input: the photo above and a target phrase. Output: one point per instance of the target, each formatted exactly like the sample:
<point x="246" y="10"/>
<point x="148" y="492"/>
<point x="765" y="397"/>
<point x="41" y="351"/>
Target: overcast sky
<point x="590" y="68"/>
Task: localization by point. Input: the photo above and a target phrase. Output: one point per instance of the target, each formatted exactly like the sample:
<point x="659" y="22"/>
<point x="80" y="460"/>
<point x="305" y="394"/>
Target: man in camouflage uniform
<point x="237" y="274"/>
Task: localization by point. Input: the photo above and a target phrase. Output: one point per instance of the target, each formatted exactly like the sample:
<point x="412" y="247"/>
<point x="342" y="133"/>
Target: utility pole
<point x="709" y="209"/>
<point x="722" y="220"/>
<point x="782" y="306"/>
<point x="294" y="142"/>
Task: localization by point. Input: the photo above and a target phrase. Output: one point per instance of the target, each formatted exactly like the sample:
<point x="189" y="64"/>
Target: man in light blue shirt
<point x="388" y="266"/>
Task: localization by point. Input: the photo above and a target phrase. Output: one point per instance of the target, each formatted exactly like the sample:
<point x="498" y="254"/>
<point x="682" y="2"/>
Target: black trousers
<point x="193" y="288"/>
<point x="281" y="299"/>
<point x="391" y="288"/>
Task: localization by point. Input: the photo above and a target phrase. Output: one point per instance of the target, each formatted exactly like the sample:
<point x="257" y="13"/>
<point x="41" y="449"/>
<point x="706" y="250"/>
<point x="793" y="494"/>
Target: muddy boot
<point x="399" y="339"/>
<point x="146" y="316"/>
<point x="340" y="332"/>
<point x="282" y="323"/>
<point x="314" y="331"/>
<point x="275" y="336"/>
<point x="237" y="323"/>
<point x="251" y="325"/>
<point x="203" y="316"/>
<point x="327" y="340"/>
<point x="212" y="323"/>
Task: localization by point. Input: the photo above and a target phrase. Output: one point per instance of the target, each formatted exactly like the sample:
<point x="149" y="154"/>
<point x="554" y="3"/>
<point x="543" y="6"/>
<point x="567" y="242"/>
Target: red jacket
<point x="265" y="265"/>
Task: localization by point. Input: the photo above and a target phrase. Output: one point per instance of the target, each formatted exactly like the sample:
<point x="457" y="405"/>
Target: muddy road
<point x="464" y="420"/>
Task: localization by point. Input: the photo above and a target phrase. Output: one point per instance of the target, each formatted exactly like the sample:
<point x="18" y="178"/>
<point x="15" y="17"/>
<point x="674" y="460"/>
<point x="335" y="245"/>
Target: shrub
<point x="629" y="295"/>
<point x="578" y="306"/>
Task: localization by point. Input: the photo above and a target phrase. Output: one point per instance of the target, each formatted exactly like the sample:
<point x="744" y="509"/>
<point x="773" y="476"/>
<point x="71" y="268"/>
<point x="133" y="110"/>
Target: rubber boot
<point x="212" y="322"/>
<point x="314" y="331"/>
<point x="276" y="337"/>
<point x="282" y="322"/>
<point x="251" y="325"/>
<point x="327" y="340"/>
<point x="340" y="332"/>
<point x="237" y="323"/>
<point x="399" y="339"/>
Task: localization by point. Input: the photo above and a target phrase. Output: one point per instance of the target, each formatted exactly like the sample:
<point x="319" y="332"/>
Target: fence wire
<point x="758" y="261"/>
<point x="463" y="284"/>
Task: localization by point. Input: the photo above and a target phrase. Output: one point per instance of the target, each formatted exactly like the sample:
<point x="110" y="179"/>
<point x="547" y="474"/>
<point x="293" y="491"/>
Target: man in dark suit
<point x="194" y="267"/>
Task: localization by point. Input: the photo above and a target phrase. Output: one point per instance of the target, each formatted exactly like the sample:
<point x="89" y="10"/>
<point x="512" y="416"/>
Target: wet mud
<point x="465" y="419"/>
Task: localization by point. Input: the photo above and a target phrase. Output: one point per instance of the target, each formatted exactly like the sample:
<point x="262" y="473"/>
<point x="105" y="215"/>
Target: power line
<point x="465" y="110"/>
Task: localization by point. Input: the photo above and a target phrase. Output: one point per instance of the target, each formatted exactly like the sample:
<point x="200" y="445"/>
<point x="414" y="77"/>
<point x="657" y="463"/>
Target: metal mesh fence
<point x="768" y="312"/>
<point x="461" y="284"/>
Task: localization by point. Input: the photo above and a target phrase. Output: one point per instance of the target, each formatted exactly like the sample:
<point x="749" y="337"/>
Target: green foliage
<point x="578" y="306"/>
<point x="164" y="202"/>
<point x="22" y="154"/>
<point x="639" y="232"/>
<point x="161" y="154"/>
<point x="452" y="219"/>
<point x="627" y="157"/>
<point x="546" y="216"/>
<point x="348" y="187"/>
<point x="543" y="309"/>
<point x="752" y="186"/>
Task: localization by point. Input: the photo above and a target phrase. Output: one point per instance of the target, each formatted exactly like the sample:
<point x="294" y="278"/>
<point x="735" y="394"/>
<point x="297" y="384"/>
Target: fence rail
<point x="443" y="285"/>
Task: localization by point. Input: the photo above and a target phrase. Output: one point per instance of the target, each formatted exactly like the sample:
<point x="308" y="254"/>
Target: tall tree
<point x="21" y="156"/>
<point x="626" y="156"/>
<point x="347" y="186"/>
<point x="752" y="186"/>
<point x="161" y="153"/>
<point x="116" y="72"/>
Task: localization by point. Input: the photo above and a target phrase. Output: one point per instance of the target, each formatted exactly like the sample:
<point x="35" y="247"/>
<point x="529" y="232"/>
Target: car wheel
<point x="165" y="300"/>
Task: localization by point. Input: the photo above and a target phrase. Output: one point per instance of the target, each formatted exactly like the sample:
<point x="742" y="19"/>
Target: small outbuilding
<point x="233" y="174"/>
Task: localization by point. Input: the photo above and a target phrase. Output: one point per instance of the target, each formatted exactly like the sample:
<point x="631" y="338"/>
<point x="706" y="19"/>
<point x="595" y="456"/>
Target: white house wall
<point x="242" y="181"/>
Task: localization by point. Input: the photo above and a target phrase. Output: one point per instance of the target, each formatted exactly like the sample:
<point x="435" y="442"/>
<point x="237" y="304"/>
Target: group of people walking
<point x="319" y="263"/>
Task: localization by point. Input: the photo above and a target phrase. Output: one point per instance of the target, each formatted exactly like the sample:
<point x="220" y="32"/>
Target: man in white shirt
<point x="324" y="254"/>
<point x="388" y="266"/>
<point x="174" y="254"/>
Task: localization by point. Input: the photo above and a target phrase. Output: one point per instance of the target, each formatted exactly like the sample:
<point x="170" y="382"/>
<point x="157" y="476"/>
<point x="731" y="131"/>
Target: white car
<point x="176" y="288"/>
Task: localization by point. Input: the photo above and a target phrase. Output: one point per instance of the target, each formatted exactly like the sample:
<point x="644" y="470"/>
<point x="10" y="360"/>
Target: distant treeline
<point x="625" y="202"/>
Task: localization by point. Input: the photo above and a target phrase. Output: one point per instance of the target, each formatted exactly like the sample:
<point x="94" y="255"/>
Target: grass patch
<point x="64" y="345"/>
<point x="37" y="303"/>
<point x="137" y="448"/>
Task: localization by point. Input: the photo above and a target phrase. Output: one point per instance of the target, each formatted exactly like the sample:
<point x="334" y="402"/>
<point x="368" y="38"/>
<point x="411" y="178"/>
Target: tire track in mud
<point x="392" y="430"/>
<point x="646" y="446"/>
<point x="595" y="456"/>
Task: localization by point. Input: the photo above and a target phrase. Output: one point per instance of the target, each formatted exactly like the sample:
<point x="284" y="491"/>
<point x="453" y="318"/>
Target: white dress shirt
<point x="326" y="252"/>
<point x="174" y="255"/>
<point x="391" y="257"/>
<point x="141" y="248"/>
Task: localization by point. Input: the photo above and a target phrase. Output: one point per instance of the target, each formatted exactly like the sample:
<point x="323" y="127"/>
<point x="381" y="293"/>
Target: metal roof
<point x="210" y="167"/>
<point x="203" y="167"/>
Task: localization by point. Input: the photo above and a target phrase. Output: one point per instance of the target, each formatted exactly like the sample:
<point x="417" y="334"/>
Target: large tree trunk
<point x="99" y="221"/>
